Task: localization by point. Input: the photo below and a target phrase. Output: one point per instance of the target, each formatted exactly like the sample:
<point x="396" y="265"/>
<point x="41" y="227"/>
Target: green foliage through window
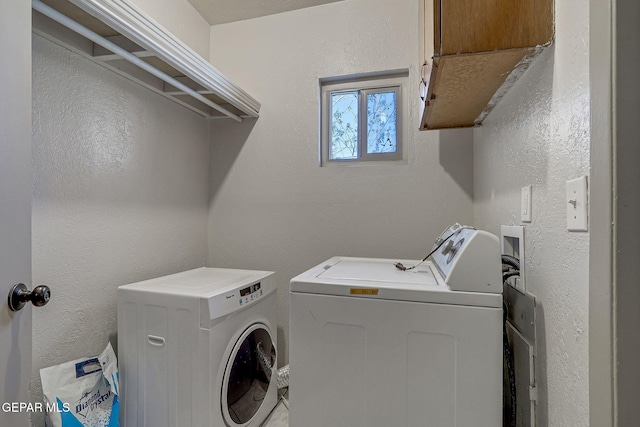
<point x="344" y="125"/>
<point x="363" y="124"/>
<point x="381" y="123"/>
<point x="361" y="120"/>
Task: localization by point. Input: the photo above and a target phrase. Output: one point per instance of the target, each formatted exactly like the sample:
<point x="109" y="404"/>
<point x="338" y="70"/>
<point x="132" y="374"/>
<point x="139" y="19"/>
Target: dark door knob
<point x="20" y="295"/>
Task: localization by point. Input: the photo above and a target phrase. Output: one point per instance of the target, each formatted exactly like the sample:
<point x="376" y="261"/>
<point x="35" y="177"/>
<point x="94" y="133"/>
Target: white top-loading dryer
<point x="374" y="346"/>
<point x="198" y="349"/>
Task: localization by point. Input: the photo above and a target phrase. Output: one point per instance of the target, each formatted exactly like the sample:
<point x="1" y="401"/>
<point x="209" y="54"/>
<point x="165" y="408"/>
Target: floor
<point x="280" y="415"/>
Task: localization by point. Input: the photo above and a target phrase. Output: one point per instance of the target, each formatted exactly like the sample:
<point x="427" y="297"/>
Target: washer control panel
<point x="469" y="259"/>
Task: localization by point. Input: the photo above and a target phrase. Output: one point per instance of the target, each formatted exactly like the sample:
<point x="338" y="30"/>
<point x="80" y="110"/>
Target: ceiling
<point x="222" y="11"/>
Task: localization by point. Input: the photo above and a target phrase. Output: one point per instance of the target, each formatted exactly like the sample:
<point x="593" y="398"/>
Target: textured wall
<point x="539" y="135"/>
<point x="272" y="207"/>
<point x="120" y="194"/>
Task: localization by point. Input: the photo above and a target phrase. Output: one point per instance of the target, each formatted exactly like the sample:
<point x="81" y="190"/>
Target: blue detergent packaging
<point x="83" y="392"/>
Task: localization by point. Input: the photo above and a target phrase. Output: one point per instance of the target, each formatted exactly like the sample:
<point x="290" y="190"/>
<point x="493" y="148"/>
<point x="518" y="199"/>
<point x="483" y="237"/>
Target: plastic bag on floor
<point x="83" y="392"/>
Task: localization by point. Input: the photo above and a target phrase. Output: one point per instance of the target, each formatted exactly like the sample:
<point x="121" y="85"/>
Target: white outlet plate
<point x="577" y="204"/>
<point x="525" y="204"/>
<point x="512" y="243"/>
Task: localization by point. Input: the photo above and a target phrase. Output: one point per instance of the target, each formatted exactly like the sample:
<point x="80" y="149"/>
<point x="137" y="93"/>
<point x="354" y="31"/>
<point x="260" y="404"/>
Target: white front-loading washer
<point x="198" y="349"/>
<point x="371" y="345"/>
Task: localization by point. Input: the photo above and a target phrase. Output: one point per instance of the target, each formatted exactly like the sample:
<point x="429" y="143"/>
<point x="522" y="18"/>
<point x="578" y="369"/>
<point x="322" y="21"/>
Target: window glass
<point x="362" y="118"/>
<point x="381" y="123"/>
<point x="250" y="375"/>
<point x="344" y="125"/>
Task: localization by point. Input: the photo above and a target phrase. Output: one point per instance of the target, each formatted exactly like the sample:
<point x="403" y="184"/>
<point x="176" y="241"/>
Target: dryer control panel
<point x="250" y="293"/>
<point x="469" y="259"/>
<point x="218" y="307"/>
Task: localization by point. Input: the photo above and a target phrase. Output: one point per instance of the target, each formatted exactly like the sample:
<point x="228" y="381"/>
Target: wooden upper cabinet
<point x="468" y="26"/>
<point x="477" y="46"/>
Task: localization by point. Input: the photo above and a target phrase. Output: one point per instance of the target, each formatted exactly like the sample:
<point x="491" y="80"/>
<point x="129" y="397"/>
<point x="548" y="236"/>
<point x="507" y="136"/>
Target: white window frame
<point x="366" y="84"/>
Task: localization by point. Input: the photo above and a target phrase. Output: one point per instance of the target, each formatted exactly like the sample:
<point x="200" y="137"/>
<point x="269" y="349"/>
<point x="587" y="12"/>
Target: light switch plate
<point x="577" y="204"/>
<point x="525" y="204"/>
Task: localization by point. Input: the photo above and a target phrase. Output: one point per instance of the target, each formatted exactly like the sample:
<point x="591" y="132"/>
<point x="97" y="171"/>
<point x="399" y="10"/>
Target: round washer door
<point x="247" y="376"/>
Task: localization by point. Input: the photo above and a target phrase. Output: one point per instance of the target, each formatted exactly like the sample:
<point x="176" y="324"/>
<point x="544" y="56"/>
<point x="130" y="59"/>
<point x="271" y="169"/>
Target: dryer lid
<point x="202" y="283"/>
<point x="213" y="292"/>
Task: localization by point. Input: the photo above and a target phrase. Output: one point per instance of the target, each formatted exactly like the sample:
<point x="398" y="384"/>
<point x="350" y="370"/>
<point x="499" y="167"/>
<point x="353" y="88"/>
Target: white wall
<point x="120" y="194"/>
<point x="181" y="19"/>
<point x="539" y="135"/>
<point x="272" y="207"/>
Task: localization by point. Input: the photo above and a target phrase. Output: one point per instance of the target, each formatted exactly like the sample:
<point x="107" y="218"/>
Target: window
<point x="361" y="120"/>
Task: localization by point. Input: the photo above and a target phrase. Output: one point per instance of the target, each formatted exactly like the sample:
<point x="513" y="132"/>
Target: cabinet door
<point x="428" y="30"/>
<point x="467" y="26"/>
<point x="427" y="38"/>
